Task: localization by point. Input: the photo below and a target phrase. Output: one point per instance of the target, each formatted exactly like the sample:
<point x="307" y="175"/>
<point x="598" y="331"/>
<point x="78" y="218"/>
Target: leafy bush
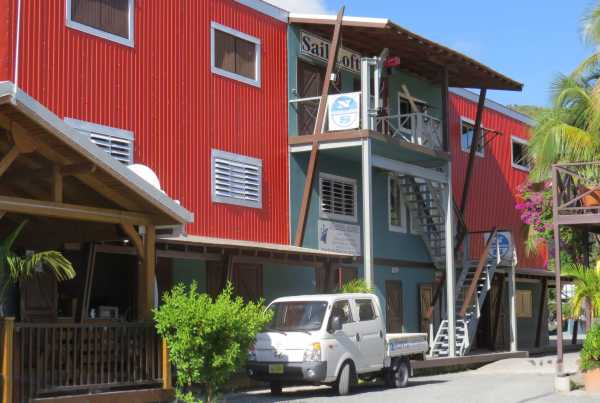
<point x="208" y="339"/>
<point x="590" y="354"/>
<point x="356" y="285"/>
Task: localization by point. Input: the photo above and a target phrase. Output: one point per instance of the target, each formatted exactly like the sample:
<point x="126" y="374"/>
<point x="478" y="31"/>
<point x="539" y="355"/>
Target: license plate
<point x="276" y="369"/>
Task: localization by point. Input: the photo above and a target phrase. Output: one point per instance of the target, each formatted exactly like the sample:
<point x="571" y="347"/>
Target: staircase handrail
<point x="473" y="286"/>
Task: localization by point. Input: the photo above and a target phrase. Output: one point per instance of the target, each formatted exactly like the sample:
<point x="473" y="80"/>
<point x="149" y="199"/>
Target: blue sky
<point x="528" y="40"/>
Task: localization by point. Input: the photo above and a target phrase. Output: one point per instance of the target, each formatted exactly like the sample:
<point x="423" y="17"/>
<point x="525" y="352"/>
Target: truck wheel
<point x="397" y="375"/>
<point x="344" y="380"/>
<point x="276" y="388"/>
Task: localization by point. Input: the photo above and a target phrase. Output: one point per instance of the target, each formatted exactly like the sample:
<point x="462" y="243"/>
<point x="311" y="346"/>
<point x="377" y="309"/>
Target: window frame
<point x="256" y="82"/>
<point x="129" y="41"/>
<point x="472" y="123"/>
<point x="358" y="302"/>
<point x="521" y="141"/>
<point x="334" y="216"/>
<point x="89" y="127"/>
<point x="403" y="229"/>
<point x="242" y="159"/>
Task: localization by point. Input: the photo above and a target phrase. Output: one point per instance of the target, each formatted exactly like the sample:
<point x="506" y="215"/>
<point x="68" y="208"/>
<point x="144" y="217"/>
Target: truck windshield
<point x="297" y="315"/>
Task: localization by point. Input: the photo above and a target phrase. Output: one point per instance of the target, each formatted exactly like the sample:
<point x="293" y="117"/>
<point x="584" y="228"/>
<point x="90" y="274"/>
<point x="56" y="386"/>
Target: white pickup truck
<point x="331" y="339"/>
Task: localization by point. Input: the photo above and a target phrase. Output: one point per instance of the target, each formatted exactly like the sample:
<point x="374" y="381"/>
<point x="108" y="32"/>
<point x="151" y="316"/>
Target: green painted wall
<point x="284" y="280"/>
<point x="418" y="88"/>
<point x="185" y="271"/>
<point x="527" y="327"/>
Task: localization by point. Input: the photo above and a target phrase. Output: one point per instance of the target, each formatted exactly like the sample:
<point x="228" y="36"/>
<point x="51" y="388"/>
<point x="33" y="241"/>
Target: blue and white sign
<point x="502" y="245"/>
<point x="339" y="237"/>
<point x="344" y="111"/>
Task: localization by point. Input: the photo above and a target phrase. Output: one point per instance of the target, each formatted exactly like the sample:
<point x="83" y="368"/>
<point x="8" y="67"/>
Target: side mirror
<point x="336" y="324"/>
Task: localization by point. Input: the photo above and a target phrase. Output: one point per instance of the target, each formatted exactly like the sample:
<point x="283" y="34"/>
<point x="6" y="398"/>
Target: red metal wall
<point x="7" y="39"/>
<point x="492" y="199"/>
<point x="163" y="91"/>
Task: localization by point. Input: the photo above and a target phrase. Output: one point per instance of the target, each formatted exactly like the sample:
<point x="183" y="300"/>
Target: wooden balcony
<point x="53" y="362"/>
<point x="415" y="128"/>
<point x="576" y="193"/>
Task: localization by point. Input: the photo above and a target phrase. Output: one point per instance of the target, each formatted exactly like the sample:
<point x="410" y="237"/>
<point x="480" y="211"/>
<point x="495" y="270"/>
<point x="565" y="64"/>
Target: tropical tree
<point x="15" y="268"/>
<point x="587" y="289"/>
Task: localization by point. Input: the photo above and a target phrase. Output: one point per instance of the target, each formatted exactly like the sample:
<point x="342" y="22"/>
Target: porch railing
<point x="416" y="128"/>
<point x="55" y="359"/>
<point x="576" y="191"/>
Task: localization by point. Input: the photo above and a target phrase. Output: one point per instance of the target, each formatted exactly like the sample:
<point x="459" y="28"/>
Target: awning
<point x="93" y="179"/>
<point x="418" y="55"/>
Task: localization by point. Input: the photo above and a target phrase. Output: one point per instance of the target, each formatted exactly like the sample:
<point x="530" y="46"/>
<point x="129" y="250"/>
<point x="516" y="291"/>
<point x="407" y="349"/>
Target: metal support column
<point x="450" y="272"/>
<point x="365" y="80"/>
<point x="367" y="193"/>
<point x="512" y="303"/>
<point x="558" y="285"/>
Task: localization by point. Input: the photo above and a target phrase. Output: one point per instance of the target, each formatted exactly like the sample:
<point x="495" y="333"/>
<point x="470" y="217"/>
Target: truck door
<point x="346" y="338"/>
<point x="372" y="344"/>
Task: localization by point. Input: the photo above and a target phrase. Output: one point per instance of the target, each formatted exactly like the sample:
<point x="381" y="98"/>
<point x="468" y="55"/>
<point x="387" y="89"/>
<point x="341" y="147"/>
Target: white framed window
<point x="337" y="197"/>
<point x="397" y="210"/>
<point x="524" y="304"/>
<point x="118" y="143"/>
<point x="467" y="127"/>
<point x="236" y="179"/>
<point x="107" y="19"/>
<point x="234" y="54"/>
<point x="518" y="149"/>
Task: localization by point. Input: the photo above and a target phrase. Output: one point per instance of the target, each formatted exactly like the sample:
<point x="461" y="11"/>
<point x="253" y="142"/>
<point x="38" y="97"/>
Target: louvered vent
<point x="338" y="197"/>
<point x="236" y="179"/>
<point x="117" y="143"/>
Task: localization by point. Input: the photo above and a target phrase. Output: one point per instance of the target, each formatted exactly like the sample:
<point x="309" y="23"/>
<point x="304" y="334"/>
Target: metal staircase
<point x="473" y="284"/>
<point x="425" y="203"/>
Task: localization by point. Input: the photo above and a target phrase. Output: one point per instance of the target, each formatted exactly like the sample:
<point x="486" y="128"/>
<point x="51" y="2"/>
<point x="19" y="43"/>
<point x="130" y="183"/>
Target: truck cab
<point x="326" y="339"/>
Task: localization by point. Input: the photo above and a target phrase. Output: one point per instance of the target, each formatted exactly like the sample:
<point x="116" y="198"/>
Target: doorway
<point x="394" y="306"/>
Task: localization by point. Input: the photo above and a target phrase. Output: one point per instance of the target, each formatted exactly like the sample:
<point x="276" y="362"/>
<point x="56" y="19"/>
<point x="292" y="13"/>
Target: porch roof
<point x="420" y="56"/>
<point x="256" y="246"/>
<point x="90" y="173"/>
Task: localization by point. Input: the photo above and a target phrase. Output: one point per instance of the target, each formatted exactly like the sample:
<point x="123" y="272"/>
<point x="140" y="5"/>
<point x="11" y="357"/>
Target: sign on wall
<point x="339" y="237"/>
<point x="318" y="48"/>
<point x="504" y="245"/>
<point x="344" y="111"/>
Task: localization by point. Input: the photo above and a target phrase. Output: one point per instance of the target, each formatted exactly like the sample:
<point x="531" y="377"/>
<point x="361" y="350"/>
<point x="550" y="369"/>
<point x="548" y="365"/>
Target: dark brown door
<point x="39" y="298"/>
<point x="394" y="306"/>
<point x="310" y="83"/>
<point x="425" y="298"/>
<point x="247" y="281"/>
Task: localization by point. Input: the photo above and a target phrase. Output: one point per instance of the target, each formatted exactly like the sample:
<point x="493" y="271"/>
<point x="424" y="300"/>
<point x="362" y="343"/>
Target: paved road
<point x="516" y="382"/>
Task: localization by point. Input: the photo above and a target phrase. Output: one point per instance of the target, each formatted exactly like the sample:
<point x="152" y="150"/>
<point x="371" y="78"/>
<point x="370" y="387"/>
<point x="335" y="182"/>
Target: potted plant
<point x="590" y="360"/>
<point x="15" y="268"/>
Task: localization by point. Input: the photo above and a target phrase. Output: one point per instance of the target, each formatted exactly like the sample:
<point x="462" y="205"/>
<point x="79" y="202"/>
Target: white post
<point x="450" y="273"/>
<point x="365" y="86"/>
<point x="367" y="211"/>
<point x="512" y="291"/>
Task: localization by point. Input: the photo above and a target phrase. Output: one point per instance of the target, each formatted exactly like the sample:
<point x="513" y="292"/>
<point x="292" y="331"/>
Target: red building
<point x="498" y="170"/>
<point x="150" y="75"/>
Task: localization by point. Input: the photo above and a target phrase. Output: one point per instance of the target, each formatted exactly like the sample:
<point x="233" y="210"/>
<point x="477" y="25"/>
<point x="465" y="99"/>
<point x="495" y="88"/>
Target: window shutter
<point x="117" y="143"/>
<point x="338" y="197"/>
<point x="236" y="179"/>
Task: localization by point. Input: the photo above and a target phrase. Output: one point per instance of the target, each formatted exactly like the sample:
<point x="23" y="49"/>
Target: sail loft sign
<point x="318" y="48"/>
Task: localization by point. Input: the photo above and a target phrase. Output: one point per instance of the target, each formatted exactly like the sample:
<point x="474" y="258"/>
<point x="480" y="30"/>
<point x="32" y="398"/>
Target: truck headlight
<point x="313" y="352"/>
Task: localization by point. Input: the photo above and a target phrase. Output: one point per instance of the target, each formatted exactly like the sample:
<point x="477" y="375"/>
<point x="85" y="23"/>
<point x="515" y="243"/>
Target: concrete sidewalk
<point x="544" y="365"/>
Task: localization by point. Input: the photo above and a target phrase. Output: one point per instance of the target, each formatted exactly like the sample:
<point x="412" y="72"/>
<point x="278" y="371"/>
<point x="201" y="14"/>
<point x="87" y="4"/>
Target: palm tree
<point x="587" y="289"/>
<point x="15" y="268"/>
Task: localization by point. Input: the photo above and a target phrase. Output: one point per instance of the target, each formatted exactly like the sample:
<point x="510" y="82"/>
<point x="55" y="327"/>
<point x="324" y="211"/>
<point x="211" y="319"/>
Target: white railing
<point x="417" y="128"/>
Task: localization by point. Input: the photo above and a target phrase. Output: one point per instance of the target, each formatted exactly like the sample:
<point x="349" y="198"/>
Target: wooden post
<point x="148" y="274"/>
<point x="166" y="367"/>
<point x="542" y="311"/>
<point x="7" y="359"/>
<point x="312" y="162"/>
<point x="556" y="229"/>
<point x="57" y="185"/>
<point x="499" y="304"/>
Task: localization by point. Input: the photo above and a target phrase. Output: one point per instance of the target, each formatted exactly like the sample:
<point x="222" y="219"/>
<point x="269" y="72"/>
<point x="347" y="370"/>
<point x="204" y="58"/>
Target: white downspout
<point x="367" y="191"/>
<point x="450" y="273"/>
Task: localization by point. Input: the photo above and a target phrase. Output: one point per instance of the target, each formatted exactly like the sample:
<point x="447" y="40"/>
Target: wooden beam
<point x="135" y="238"/>
<point x="24" y="142"/>
<point x="8" y="159"/>
<point x="312" y="162"/>
<point x="57" y="185"/>
<point x="71" y="211"/>
<point x="148" y="273"/>
<point x="499" y="305"/>
<point x="542" y="311"/>
<point x="8" y="331"/>
<point x="89" y="278"/>
<point x="77" y="169"/>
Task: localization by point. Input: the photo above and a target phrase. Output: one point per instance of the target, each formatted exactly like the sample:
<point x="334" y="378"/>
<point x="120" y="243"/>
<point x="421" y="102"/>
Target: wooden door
<point x="425" y="299"/>
<point x="39" y="298"/>
<point x="247" y="281"/>
<point x="310" y="83"/>
<point x="394" y="306"/>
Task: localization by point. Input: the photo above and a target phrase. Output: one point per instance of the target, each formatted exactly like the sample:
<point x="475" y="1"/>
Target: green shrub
<point x="208" y="339"/>
<point x="590" y="354"/>
<point x="357" y="285"/>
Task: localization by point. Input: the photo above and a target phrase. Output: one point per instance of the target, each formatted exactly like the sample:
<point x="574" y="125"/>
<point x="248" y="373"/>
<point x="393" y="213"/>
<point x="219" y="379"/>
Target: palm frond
<point x="24" y="268"/>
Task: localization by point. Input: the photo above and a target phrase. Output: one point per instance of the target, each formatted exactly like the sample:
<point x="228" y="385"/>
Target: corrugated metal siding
<point x="492" y="195"/>
<point x="163" y="91"/>
<point x="7" y="38"/>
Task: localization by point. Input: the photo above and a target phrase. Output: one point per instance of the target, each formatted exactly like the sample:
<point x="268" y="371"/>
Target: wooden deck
<point x="130" y="396"/>
<point x="466" y="360"/>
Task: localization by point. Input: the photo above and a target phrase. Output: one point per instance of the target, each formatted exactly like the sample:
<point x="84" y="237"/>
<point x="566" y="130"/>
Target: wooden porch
<point x="91" y="338"/>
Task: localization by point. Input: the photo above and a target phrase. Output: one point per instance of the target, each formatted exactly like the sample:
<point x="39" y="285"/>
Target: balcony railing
<point x="416" y="128"/>
<point x="576" y="192"/>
